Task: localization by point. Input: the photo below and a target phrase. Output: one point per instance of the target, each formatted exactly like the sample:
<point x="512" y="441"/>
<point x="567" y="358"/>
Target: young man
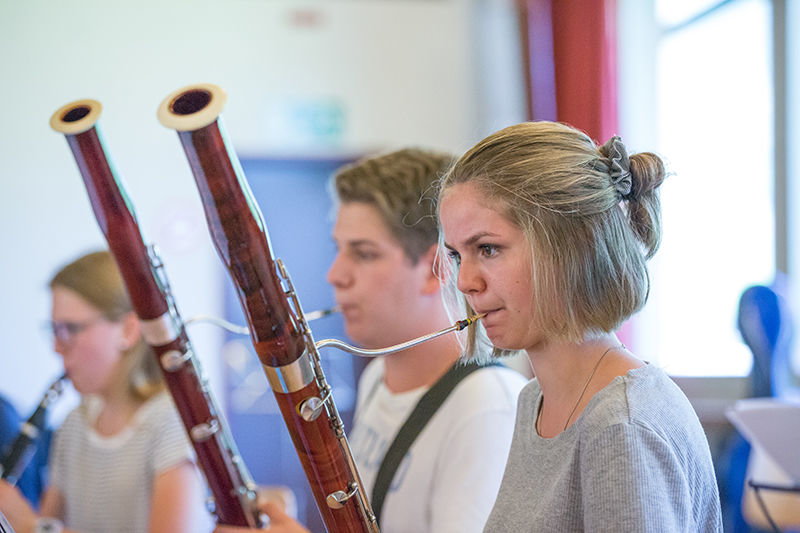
<point x="384" y="281"/>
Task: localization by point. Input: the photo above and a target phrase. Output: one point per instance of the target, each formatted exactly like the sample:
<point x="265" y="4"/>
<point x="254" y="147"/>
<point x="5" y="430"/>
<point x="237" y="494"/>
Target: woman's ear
<point x="131" y="331"/>
<point x="427" y="260"/>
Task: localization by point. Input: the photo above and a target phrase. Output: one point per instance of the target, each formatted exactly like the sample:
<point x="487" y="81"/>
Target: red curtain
<point x="569" y="51"/>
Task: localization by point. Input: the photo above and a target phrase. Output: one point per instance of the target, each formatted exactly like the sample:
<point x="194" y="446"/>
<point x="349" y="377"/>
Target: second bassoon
<point x="230" y="483"/>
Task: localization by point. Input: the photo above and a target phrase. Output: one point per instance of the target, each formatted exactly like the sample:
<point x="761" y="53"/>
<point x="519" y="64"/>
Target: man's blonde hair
<point x="401" y="185"/>
<point x="591" y="216"/>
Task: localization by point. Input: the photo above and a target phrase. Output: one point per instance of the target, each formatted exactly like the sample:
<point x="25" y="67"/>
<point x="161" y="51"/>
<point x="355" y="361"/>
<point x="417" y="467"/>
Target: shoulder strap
<point x="414" y="424"/>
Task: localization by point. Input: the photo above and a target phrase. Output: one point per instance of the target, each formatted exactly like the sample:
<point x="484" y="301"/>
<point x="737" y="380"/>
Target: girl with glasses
<point x="121" y="460"/>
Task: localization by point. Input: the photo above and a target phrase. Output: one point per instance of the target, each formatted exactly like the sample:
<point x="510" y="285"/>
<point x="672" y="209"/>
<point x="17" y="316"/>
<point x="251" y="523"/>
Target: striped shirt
<point x="107" y="481"/>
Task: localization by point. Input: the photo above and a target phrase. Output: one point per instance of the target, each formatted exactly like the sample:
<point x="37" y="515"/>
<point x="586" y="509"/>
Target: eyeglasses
<point x="66" y="331"/>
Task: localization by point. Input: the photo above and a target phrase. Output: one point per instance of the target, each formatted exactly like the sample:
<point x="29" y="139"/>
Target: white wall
<point x="397" y="70"/>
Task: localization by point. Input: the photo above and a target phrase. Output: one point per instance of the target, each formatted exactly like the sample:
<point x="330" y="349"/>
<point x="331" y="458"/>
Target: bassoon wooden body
<point x="278" y="329"/>
<point x="230" y="483"/>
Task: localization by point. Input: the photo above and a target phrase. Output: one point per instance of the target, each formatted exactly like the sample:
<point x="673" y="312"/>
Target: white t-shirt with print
<point x="448" y="480"/>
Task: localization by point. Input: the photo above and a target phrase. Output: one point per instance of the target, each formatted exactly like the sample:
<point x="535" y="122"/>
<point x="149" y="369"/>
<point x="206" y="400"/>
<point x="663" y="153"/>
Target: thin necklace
<point x="585" y="386"/>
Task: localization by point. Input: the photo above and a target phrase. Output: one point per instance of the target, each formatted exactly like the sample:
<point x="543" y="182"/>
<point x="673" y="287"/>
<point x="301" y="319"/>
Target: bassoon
<point x="278" y="328"/>
<point x="22" y="449"/>
<point x="232" y="488"/>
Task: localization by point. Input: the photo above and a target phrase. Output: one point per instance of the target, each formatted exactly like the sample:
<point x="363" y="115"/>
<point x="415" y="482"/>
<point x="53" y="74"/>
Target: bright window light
<point x="715" y="127"/>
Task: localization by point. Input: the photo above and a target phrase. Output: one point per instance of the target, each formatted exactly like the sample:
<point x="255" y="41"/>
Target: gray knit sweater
<point x="635" y="460"/>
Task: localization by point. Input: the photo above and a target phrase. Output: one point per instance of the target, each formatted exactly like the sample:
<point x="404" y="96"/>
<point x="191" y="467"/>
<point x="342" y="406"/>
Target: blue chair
<point x="766" y="328"/>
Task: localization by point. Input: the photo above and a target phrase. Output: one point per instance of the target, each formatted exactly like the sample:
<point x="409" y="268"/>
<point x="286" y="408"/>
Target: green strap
<point x="416" y="421"/>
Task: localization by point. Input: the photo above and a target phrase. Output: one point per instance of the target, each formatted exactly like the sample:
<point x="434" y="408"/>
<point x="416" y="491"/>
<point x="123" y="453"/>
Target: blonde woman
<point x="120" y="461"/>
<point x="548" y="235"/>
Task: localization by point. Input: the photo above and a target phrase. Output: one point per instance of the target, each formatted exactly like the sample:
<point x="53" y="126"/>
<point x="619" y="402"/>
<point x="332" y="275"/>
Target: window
<point x="714" y="125"/>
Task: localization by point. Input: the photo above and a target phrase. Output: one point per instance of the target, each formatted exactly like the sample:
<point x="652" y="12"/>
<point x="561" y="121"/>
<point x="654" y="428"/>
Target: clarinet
<point x="278" y="328"/>
<point x="232" y="488"/>
<point x="24" y="446"/>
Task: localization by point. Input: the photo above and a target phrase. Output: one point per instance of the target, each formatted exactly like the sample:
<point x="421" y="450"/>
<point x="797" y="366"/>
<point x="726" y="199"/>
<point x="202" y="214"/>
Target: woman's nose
<point x="470" y="280"/>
